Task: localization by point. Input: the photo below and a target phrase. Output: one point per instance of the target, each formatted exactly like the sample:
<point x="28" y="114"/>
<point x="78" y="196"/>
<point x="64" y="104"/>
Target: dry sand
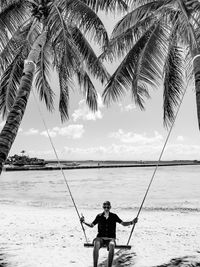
<point x="32" y="237"/>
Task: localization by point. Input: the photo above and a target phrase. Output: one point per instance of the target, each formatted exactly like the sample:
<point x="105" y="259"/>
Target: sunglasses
<point x="106" y="207"/>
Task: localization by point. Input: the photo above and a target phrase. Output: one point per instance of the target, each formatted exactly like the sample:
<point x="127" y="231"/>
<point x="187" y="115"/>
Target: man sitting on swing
<point x="106" y="231"/>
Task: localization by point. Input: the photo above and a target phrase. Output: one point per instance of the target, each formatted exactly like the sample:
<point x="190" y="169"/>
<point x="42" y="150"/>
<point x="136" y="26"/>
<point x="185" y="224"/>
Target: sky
<point x="118" y="132"/>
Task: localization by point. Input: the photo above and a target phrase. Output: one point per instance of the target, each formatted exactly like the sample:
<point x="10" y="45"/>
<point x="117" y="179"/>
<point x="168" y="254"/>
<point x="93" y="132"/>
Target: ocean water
<point x="173" y="188"/>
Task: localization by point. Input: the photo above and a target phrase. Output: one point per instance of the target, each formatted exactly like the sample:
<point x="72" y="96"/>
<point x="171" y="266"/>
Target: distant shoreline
<point x="97" y="165"/>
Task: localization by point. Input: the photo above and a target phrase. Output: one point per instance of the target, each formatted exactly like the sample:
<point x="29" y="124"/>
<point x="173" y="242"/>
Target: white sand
<point x="34" y="237"/>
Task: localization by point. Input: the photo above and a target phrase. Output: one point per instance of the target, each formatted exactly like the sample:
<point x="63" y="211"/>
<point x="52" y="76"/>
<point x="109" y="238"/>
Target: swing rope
<point x="157" y="165"/>
<point x="60" y="166"/>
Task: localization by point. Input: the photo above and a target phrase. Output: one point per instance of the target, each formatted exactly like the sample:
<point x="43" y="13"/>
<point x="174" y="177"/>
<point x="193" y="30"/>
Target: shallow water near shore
<point x="38" y="217"/>
<point x="173" y="188"/>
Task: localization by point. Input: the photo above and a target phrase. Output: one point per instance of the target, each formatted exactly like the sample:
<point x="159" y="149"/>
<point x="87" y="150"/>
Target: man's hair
<point x="107" y="203"/>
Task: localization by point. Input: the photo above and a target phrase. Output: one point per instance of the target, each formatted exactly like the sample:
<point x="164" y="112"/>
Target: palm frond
<point x="34" y="29"/>
<point x="173" y="83"/>
<point x="4" y="38"/>
<point x="148" y="67"/>
<point x="88" y="90"/>
<point x="63" y="45"/>
<point x="185" y="28"/>
<point x="189" y="70"/>
<point x="18" y="40"/>
<point x="93" y="64"/>
<point x="121" y="44"/>
<point x="187" y="34"/>
<point x="138" y="58"/>
<point x="192" y="5"/>
<point x="65" y="59"/>
<point x="64" y="80"/>
<point x="153" y="55"/>
<point x="41" y="78"/>
<point x="9" y="83"/>
<point x="136" y="15"/>
<point x="13" y="14"/>
<point x="85" y="18"/>
<point x="139" y="92"/>
<point x="107" y="5"/>
<point x="194" y="13"/>
<point x="9" y="53"/>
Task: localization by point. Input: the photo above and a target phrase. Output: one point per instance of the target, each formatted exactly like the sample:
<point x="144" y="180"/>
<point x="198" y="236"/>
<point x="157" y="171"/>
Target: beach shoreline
<point x="38" y="236"/>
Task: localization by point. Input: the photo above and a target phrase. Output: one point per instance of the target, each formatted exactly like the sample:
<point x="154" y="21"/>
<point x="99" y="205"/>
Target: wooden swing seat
<point x="89" y="245"/>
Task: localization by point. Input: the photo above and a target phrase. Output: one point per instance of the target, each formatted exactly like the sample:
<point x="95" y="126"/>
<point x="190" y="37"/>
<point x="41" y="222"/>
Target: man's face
<point x="106" y="207"/>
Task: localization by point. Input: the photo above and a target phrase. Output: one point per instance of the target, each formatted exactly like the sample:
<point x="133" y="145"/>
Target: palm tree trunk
<point x="10" y="129"/>
<point x="196" y="67"/>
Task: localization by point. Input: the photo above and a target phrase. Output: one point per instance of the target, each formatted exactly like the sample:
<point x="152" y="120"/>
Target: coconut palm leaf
<point x="122" y="43"/>
<point x="189" y="71"/>
<point x="34" y="30"/>
<point x="139" y="92"/>
<point x="41" y="78"/>
<point x="9" y="83"/>
<point x="89" y="90"/>
<point x="173" y="82"/>
<point x="93" y="64"/>
<point x="194" y="12"/>
<point x="13" y="14"/>
<point x="138" y="57"/>
<point x="4" y="38"/>
<point x="86" y="19"/>
<point x="105" y="5"/>
<point x="64" y="81"/>
<point x="63" y="45"/>
<point x="11" y="65"/>
<point x="137" y="14"/>
<point x="148" y="67"/>
<point x="9" y="52"/>
<point x="186" y="29"/>
<point x="153" y="55"/>
<point x="12" y="47"/>
<point x="65" y="57"/>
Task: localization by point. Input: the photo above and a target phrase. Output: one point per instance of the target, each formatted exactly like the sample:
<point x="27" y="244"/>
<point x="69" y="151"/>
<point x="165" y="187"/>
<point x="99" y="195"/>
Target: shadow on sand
<point x="187" y="261"/>
<point x="2" y="261"/>
<point x="121" y="259"/>
<point x="127" y="259"/>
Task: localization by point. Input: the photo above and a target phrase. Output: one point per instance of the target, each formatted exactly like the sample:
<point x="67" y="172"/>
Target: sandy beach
<point x="32" y="236"/>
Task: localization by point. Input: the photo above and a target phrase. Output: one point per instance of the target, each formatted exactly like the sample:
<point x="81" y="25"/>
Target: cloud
<point x="42" y="154"/>
<point x="84" y="113"/>
<point x="50" y="133"/>
<point x="31" y="131"/>
<point x="134" y="138"/>
<point x="180" y="138"/>
<point x="74" y="131"/>
<point x="123" y="152"/>
<point x="183" y="151"/>
<point x="113" y="151"/>
<point x="86" y="151"/>
<point x="133" y="152"/>
<point x="127" y="107"/>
